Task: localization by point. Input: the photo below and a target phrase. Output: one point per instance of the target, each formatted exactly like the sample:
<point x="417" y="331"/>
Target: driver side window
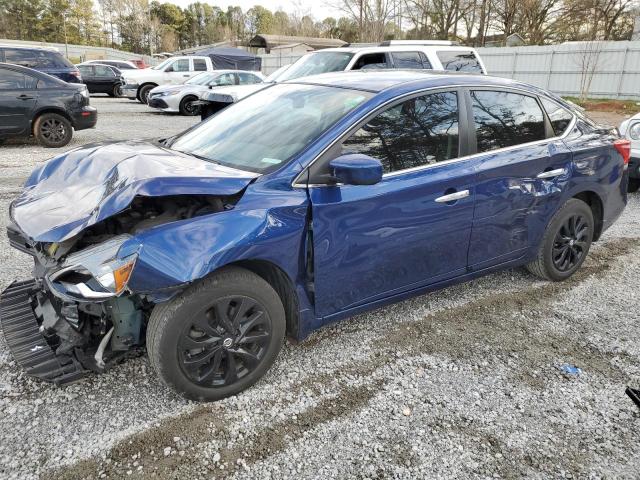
<point x="179" y="66"/>
<point x="420" y="131"/>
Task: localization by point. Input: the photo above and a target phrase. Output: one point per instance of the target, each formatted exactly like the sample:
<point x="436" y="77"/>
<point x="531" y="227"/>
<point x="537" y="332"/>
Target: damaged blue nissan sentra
<point x="307" y="202"/>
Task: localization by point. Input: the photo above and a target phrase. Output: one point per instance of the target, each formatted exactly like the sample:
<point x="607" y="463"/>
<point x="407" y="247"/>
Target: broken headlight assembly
<point x="95" y="273"/>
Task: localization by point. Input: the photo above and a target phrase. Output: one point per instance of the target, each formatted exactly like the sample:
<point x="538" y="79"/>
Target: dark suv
<point x="41" y="59"/>
<point x="34" y="103"/>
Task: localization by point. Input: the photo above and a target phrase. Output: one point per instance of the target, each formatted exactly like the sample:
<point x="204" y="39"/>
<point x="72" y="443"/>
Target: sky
<point x="319" y="9"/>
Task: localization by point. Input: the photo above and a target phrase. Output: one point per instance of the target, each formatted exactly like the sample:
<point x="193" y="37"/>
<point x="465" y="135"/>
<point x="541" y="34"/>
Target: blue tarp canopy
<point x="231" y="58"/>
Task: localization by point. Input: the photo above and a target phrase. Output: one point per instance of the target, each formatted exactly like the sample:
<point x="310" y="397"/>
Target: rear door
<point x="88" y="77"/>
<point x="411" y="229"/>
<point x="523" y="169"/>
<point x="18" y="97"/>
<point x="104" y="78"/>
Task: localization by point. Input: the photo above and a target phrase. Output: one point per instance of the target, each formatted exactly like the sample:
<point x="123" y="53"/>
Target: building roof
<point x="291" y="45"/>
<point x="269" y="41"/>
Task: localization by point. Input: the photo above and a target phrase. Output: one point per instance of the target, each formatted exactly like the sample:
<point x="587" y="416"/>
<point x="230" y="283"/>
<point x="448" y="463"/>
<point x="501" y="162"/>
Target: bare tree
<point x="588" y="59"/>
<point x="374" y="16"/>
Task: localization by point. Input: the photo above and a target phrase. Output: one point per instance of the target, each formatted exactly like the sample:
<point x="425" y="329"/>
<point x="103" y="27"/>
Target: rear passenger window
<point x="10" y="80"/>
<point x="413" y="60"/>
<point x="504" y="119"/>
<point x="39" y="59"/>
<point x="559" y="116"/>
<point x="104" y="71"/>
<point x="199" y="65"/>
<point x="420" y="131"/>
<point x="247" y="78"/>
<point x="459" y="61"/>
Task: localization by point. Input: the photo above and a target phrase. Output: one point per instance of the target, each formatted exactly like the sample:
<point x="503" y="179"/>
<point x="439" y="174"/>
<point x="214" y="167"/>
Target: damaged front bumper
<point x="27" y="341"/>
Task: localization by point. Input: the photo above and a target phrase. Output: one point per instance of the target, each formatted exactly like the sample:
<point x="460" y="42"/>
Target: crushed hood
<point x="79" y="188"/>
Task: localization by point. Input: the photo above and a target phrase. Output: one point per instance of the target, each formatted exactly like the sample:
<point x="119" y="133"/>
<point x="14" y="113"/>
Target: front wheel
<point x="116" y="91"/>
<point x="218" y="337"/>
<point x="565" y="243"/>
<point x="188" y="108"/>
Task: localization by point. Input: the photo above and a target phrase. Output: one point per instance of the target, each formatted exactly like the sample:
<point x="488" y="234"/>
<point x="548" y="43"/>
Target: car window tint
<point x="420" y="131"/>
<point x="224" y="79"/>
<point x="459" y="61"/>
<point x="181" y="65"/>
<point x="504" y="119"/>
<point x="248" y="78"/>
<point x="559" y="116"/>
<point x="425" y="61"/>
<point x="103" y="71"/>
<point x="10" y="80"/>
<point x="407" y="60"/>
<point x="371" y="61"/>
<point x="199" y="65"/>
<point x="39" y="59"/>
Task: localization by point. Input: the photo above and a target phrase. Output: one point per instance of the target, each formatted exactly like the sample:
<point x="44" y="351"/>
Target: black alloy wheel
<point x="188" y="108"/>
<point x="52" y="130"/>
<point x="570" y="243"/>
<point x="225" y="342"/>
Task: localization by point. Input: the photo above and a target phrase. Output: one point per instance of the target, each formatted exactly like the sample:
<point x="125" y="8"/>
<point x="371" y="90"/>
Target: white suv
<point x="407" y="54"/>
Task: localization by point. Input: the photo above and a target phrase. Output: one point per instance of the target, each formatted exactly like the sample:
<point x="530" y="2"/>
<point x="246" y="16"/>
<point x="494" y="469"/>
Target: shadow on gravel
<point x="496" y="324"/>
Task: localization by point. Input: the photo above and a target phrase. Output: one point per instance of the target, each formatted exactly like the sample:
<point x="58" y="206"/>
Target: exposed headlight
<point x="168" y="94"/>
<point x="634" y="131"/>
<point x="95" y="272"/>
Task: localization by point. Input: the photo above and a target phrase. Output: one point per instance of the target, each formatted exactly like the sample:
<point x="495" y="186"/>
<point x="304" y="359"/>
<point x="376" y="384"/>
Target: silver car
<point x="631" y="129"/>
<point x="181" y="98"/>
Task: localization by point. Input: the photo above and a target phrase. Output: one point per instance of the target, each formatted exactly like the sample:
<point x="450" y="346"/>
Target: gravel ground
<point x="462" y="383"/>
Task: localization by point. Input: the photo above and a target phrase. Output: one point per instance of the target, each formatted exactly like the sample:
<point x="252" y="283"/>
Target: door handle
<point x="452" y="197"/>
<point x="552" y="173"/>
<point x="186" y="75"/>
<point x="25" y="97"/>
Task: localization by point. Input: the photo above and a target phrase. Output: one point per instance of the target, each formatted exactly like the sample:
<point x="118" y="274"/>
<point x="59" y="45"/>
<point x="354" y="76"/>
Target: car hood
<point x="233" y="93"/>
<point x="84" y="186"/>
<point x="179" y="88"/>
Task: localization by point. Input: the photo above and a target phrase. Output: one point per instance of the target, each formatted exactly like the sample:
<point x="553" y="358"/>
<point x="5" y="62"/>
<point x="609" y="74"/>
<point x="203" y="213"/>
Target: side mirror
<point x="356" y="169"/>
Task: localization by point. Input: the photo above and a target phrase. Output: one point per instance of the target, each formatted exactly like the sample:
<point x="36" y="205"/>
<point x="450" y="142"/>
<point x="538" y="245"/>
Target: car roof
<point x="27" y="47"/>
<point x="395" y="48"/>
<point x="378" y="80"/>
<point x="34" y="73"/>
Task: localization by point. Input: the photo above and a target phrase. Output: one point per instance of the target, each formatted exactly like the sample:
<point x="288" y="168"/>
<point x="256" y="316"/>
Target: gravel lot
<point x="462" y="383"/>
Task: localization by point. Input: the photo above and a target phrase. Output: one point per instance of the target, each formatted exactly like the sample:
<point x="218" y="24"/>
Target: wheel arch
<point x="594" y="201"/>
<point x="145" y="84"/>
<point x="282" y="284"/>
<point x="58" y="110"/>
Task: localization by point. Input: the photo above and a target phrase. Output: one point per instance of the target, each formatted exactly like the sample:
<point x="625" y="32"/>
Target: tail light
<point x="624" y="148"/>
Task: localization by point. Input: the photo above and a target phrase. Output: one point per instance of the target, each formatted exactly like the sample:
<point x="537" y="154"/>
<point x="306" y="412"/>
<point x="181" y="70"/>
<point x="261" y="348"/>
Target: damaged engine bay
<point x="79" y="295"/>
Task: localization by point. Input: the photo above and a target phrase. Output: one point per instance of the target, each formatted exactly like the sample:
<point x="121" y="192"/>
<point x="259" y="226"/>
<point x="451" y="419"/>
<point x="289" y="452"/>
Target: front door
<point x="18" y="98"/>
<point x="178" y="72"/>
<point x="409" y="230"/>
<point x="523" y="168"/>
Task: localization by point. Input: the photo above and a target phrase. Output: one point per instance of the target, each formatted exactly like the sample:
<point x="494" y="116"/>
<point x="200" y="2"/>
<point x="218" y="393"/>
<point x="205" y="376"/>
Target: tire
<point x="144" y="93"/>
<point x="52" y="130"/>
<point x="571" y="231"/>
<point x="187" y="109"/>
<point x="116" y="92"/>
<point x="634" y="185"/>
<point x="192" y="350"/>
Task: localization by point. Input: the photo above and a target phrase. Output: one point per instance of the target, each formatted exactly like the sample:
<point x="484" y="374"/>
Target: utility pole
<point x="64" y="26"/>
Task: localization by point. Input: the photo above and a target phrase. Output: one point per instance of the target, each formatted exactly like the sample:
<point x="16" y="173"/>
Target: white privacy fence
<point x="605" y="69"/>
<point x="608" y="69"/>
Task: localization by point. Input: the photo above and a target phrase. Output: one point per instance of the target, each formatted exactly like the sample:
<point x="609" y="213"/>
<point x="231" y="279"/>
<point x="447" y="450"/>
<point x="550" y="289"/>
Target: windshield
<point x="200" y="79"/>
<point x="273" y="126"/>
<point x="316" y="63"/>
<point x="160" y="66"/>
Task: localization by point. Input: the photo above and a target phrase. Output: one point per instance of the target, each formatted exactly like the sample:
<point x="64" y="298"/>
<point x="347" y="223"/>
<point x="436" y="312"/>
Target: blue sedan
<point x="308" y="202"/>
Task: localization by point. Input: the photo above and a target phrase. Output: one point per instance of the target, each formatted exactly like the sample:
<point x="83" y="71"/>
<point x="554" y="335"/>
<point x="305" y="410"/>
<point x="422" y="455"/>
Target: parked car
<point x="119" y="64"/>
<point x="631" y="129"/>
<point x="34" y="103"/>
<point x="46" y="60"/>
<point x="140" y="63"/>
<point x="173" y="71"/>
<point x="316" y="200"/>
<point x="181" y="98"/>
<point x="399" y="54"/>
<point x="102" y="79"/>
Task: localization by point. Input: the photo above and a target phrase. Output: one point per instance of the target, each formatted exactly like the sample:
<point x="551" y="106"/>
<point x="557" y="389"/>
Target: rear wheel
<point x="188" y="108"/>
<point x="634" y="185"/>
<point x="116" y="92"/>
<point x="566" y="242"/>
<point x="218" y="337"/>
<point x="144" y="93"/>
<point x="52" y="130"/>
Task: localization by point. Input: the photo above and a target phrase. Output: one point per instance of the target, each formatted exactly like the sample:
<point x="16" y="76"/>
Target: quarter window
<point x="459" y="61"/>
<point x="417" y="132"/>
<point x="559" y="116"/>
<point x="504" y="119"/>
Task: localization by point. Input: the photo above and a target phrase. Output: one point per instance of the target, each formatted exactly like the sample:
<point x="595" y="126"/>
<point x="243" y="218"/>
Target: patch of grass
<point x="607" y="105"/>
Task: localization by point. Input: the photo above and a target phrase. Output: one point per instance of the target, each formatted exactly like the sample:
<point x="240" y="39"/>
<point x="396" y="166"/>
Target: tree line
<point x="149" y="27"/>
